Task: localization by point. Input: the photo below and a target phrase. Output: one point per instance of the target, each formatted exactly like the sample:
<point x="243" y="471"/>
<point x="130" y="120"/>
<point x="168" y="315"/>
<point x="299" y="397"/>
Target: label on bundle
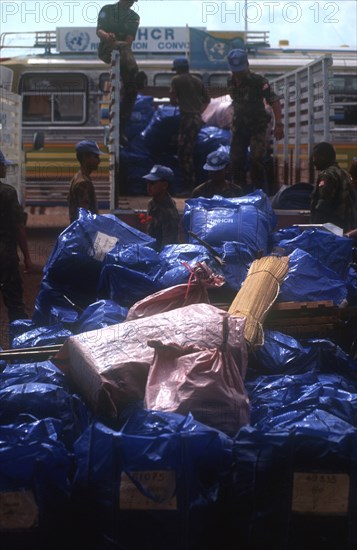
<point x="101" y="245"/>
<point x="320" y="493"/>
<point x="148" y="490"/>
<point x="18" y="510"/>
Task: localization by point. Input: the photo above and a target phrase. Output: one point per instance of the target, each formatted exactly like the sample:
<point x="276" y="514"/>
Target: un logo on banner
<point x="216" y="50"/>
<point x="77" y="41"/>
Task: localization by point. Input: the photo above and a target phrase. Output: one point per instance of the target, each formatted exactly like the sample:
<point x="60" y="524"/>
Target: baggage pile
<point x="162" y="422"/>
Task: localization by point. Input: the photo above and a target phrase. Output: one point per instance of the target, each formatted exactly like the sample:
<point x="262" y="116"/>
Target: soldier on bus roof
<point x="116" y="27"/>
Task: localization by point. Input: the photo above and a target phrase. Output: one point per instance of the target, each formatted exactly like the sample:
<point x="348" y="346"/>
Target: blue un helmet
<point x="238" y="60"/>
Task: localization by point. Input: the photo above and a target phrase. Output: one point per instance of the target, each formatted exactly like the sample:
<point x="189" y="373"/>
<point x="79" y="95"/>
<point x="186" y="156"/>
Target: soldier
<point x="189" y="93"/>
<point x="332" y="200"/>
<point x="116" y="27"/>
<point x="250" y="120"/>
<point x="81" y="191"/>
<point x="12" y="233"/>
<point x="217" y="164"/>
<point x="162" y="213"/>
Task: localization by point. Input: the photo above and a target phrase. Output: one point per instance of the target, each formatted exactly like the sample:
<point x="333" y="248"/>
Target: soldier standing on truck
<point x="332" y="200"/>
<point x="12" y="233"/>
<point x="189" y="93"/>
<point x="116" y="28"/>
<point x="248" y="91"/>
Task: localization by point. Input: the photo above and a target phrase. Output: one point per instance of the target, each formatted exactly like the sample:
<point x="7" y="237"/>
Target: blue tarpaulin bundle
<point x="295" y="489"/>
<point x="79" y="251"/>
<point x="161" y="472"/>
<point x="141" y="115"/>
<point x="243" y="223"/>
<point x="176" y="260"/>
<point x="115" y="280"/>
<point x="309" y="280"/>
<point x="42" y="336"/>
<point x="34" y="486"/>
<point x="162" y="130"/>
<point x="101" y="314"/>
<point x="331" y="250"/>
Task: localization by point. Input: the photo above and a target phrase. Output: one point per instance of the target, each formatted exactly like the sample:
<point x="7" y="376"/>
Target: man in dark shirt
<point x="116" y="27"/>
<point x="189" y="93"/>
<point x="332" y="199"/>
<point x="12" y="234"/>
<point x="163" y="216"/>
<point x="81" y="191"/>
<point x="250" y="93"/>
<point x="217" y="164"/>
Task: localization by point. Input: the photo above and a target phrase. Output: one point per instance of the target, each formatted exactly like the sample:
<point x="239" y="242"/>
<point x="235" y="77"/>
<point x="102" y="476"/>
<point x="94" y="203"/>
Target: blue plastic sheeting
<point x="284" y="402"/>
<point x="141" y="115"/>
<point x="351" y="283"/>
<point x="283" y="354"/>
<point x="77" y="257"/>
<point x="173" y="272"/>
<point x="101" y="314"/>
<point x="34" y="485"/>
<point x="42" y="336"/>
<point x="258" y="198"/>
<point x="22" y="401"/>
<point x="285" y="485"/>
<point x="50" y="301"/>
<point x="125" y="286"/>
<point x="331" y="250"/>
<point x="135" y="162"/>
<point x="308" y="280"/>
<point x="161" y="472"/>
<point x="237" y="260"/>
<point x="240" y="223"/>
<point x="40" y="372"/>
<point x="138" y="257"/>
<point x="162" y="130"/>
<point x="294" y="197"/>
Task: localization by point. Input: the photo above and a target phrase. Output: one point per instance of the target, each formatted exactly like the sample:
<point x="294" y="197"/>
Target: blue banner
<point x="210" y="52"/>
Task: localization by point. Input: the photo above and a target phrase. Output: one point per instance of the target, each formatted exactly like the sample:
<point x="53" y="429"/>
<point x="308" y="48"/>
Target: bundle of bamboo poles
<point x="258" y="293"/>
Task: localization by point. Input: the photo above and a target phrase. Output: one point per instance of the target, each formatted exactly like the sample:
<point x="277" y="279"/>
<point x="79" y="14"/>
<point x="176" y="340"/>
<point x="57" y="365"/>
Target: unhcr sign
<point x="148" y="39"/>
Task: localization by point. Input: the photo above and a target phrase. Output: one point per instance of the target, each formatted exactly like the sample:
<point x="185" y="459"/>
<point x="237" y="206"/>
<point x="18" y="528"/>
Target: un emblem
<point x="77" y="41"/>
<point x="215" y="50"/>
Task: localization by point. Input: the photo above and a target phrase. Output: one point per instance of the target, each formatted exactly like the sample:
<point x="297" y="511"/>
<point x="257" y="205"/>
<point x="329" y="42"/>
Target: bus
<point x="64" y="92"/>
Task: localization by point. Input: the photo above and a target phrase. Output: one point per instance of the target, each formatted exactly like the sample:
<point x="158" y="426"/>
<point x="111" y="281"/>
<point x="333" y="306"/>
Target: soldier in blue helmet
<point x="82" y="193"/>
<point x="217" y="165"/>
<point x="250" y="93"/>
<point x="12" y="235"/>
<point x="163" y="216"/>
<point x="189" y="93"/>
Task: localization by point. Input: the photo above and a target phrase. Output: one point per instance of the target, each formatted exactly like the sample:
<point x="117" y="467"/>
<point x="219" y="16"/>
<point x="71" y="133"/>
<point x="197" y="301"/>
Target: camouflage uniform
<point x="11" y="215"/>
<point x="332" y="200"/>
<point x="249" y="128"/>
<point x="191" y="96"/>
<point x="165" y="221"/>
<point x="122" y="22"/>
<point x="81" y="190"/>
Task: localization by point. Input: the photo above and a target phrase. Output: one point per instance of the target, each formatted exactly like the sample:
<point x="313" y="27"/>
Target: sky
<point x="304" y="23"/>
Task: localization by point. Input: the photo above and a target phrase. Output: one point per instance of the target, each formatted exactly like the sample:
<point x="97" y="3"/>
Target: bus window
<point x="54" y="99"/>
<point x="164" y="79"/>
